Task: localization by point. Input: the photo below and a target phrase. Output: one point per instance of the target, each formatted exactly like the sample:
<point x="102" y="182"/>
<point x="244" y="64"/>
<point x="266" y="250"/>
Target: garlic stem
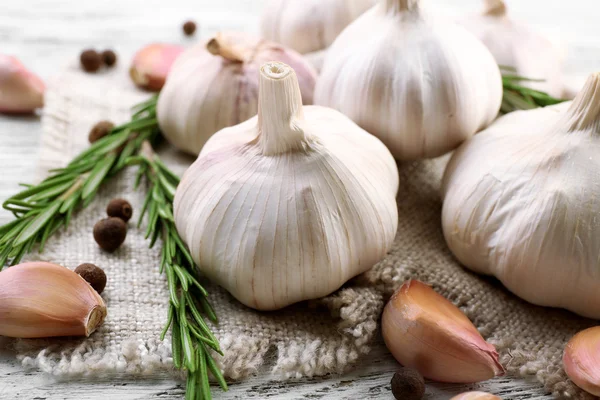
<point x="401" y="5"/>
<point x="495" y="8"/>
<point x="584" y="113"/>
<point x="280" y="113"/>
<point x="221" y="46"/>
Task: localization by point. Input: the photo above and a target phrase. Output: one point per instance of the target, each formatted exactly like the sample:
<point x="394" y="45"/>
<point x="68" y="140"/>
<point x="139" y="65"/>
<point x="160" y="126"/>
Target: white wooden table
<point x="46" y="34"/>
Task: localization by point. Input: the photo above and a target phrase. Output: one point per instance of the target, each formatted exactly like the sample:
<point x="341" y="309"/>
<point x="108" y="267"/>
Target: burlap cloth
<point x="315" y="338"/>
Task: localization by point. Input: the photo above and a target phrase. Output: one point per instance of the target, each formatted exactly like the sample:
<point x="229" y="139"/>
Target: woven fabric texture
<point x="313" y="338"/>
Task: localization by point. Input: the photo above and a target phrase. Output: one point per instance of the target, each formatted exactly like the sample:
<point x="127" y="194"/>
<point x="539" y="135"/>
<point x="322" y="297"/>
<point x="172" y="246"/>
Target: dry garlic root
<point x="290" y="204"/>
<point x="515" y="44"/>
<point x="426" y="332"/>
<point x="40" y="299"/>
<point x="522" y="202"/>
<point x="420" y="83"/>
<point x="215" y="85"/>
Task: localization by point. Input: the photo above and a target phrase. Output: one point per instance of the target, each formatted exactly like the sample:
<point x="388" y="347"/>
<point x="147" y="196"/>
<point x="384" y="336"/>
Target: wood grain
<point x="46" y="34"/>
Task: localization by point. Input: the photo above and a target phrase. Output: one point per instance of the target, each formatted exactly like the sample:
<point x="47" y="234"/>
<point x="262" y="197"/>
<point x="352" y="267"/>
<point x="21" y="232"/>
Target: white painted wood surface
<point x="46" y="34"/>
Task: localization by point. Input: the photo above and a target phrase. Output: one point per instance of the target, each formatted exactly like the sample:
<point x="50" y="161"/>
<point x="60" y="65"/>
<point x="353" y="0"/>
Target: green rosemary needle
<point x="518" y="97"/>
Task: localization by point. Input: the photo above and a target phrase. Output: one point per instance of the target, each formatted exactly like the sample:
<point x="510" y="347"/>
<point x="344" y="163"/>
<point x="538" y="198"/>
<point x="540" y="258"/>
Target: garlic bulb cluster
<point x="290" y="204"/>
<point x="311" y="25"/>
<point x="515" y="44"/>
<point x="522" y="200"/>
<point x="40" y="299"/>
<point x="215" y="85"/>
<point x="424" y="331"/>
<point x="581" y="360"/>
<point x="420" y="83"/>
<point x="21" y="91"/>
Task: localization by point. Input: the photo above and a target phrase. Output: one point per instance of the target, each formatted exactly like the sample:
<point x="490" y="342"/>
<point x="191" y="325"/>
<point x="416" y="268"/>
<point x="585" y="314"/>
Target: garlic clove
<point x="425" y="331"/>
<point x="581" y="360"/>
<point x="476" y="396"/>
<point x="40" y="299"/>
<point x="152" y="64"/>
<point x="21" y="91"/>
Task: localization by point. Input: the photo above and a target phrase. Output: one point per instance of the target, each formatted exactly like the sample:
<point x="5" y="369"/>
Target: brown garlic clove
<point x="581" y="360"/>
<point x="476" y="396"/>
<point x="152" y="64"/>
<point x="423" y="330"/>
<point x="21" y="91"/>
<point x="40" y="299"/>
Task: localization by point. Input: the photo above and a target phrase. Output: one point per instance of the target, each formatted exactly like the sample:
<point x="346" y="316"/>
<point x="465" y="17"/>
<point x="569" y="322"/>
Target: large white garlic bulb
<point x="215" y="85"/>
<point x="420" y="83"/>
<point x="522" y="203"/>
<point x="309" y="25"/>
<point x="515" y="44"/>
<point x="290" y="204"/>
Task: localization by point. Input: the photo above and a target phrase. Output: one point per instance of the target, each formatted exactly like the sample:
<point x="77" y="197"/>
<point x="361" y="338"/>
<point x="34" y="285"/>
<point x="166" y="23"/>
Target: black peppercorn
<point x="408" y="384"/>
<point x="100" y="130"/>
<point x="91" y="61"/>
<point x="110" y="233"/>
<point x="119" y="208"/>
<point x="94" y="275"/>
<point x="189" y="28"/>
<point x="109" y="57"/>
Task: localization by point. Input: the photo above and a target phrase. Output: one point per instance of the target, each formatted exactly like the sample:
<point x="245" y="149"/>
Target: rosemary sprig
<point x="518" y="97"/>
<point x="42" y="209"/>
<point x="192" y="338"/>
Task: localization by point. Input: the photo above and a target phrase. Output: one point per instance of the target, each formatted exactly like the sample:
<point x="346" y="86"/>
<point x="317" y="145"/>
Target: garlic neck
<point x="224" y="46"/>
<point x="584" y="113"/>
<point x="396" y="6"/>
<point x="280" y="113"/>
<point x="495" y="8"/>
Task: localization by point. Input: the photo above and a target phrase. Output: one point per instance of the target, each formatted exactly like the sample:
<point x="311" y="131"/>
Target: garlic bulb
<point x="215" y="85"/>
<point x="581" y="360"/>
<point x="476" y="396"/>
<point x="290" y="204"/>
<point x="21" y="91"/>
<point x="40" y="299"/>
<point x="522" y="200"/>
<point x="421" y="84"/>
<point x="516" y="45"/>
<point x="426" y="332"/>
<point x="151" y="65"/>
<point x="310" y="25"/>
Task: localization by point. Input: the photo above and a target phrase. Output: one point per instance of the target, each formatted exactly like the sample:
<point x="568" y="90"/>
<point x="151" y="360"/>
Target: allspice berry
<point x="119" y="208"/>
<point x="109" y="57"/>
<point x="408" y="384"/>
<point x="110" y="233"/>
<point x="93" y="275"/>
<point x="100" y="130"/>
<point x="91" y="61"/>
<point x="189" y="28"/>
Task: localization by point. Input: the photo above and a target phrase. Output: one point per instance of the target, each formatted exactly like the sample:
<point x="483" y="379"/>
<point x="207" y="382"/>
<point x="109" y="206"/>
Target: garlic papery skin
<point x="152" y="64"/>
<point x="21" y="91"/>
<point x="426" y="332"/>
<point x="420" y="83"/>
<point x="581" y="360"/>
<point x="310" y="25"/>
<point x="522" y="199"/>
<point x="215" y="85"/>
<point x="515" y="44"/>
<point x="290" y="204"/>
<point x="476" y="396"/>
<point x="40" y="299"/>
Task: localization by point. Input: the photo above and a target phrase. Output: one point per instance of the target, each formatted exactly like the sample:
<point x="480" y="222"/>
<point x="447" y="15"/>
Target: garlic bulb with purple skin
<point x="21" y="91"/>
<point x="215" y="85"/>
<point x="581" y="360"/>
<point x="522" y="199"/>
<point x="290" y="204"/>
